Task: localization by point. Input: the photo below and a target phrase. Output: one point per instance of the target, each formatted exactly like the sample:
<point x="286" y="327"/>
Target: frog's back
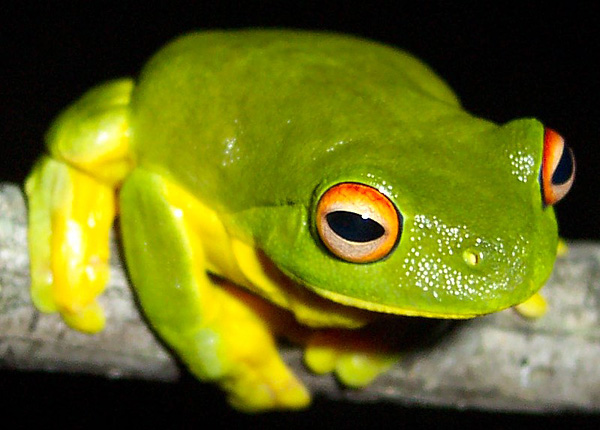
<point x="221" y="112"/>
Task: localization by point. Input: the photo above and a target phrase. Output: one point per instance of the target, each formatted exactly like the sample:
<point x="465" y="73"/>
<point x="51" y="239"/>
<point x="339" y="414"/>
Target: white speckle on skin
<point x="437" y="269"/>
<point x="231" y="152"/>
<point x="522" y="165"/>
<point x="336" y="145"/>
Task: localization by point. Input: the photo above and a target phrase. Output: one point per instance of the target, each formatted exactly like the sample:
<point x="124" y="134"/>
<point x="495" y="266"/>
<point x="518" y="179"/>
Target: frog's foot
<point x="214" y="328"/>
<point x="70" y="216"/>
<point x="534" y="307"/>
<point x="562" y="249"/>
<point x="257" y="378"/>
<point x="355" y="356"/>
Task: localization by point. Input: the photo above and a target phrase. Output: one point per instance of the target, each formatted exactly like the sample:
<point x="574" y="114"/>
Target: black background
<point x="504" y="61"/>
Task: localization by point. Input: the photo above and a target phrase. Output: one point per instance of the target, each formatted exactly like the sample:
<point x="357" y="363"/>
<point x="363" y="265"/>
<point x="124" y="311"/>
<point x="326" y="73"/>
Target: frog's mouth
<point x="317" y="306"/>
<point x="528" y="305"/>
<point x="312" y="305"/>
<point x="387" y="309"/>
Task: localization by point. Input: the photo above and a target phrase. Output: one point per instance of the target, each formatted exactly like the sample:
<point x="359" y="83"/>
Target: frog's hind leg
<point x="70" y="216"/>
<point x="215" y="333"/>
<point x="72" y="204"/>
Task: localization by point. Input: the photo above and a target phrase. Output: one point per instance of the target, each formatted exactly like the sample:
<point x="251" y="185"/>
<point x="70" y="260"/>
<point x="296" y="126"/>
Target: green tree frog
<point x="277" y="183"/>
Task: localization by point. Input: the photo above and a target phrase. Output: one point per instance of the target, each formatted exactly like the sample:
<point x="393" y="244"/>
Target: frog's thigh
<point x="213" y="331"/>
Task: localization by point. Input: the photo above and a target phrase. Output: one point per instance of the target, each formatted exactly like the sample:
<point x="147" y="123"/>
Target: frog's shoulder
<point x="235" y="257"/>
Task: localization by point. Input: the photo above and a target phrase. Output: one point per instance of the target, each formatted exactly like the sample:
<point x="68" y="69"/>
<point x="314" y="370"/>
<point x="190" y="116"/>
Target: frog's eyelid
<point x="558" y="168"/>
<point x="357" y="223"/>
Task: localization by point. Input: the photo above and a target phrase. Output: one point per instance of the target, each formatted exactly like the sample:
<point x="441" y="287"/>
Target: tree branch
<point x="497" y="362"/>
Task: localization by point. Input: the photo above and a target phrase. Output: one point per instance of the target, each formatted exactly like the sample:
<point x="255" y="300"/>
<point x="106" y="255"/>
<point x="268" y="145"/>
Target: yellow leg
<point x="562" y="248"/>
<point x="70" y="216"/>
<point x="356" y="357"/>
<point x="72" y="203"/>
<point x="215" y="330"/>
<point x="533" y="307"/>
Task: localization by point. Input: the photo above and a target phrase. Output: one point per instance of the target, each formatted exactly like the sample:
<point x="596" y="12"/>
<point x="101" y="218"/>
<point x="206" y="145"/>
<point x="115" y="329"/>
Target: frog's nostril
<point x="472" y="257"/>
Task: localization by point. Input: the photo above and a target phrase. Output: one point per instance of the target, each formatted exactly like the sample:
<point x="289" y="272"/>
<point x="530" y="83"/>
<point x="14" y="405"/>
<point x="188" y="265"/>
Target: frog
<point x="294" y="184"/>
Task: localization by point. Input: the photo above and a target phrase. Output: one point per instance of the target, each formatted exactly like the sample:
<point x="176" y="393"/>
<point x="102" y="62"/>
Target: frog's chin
<point x="388" y="309"/>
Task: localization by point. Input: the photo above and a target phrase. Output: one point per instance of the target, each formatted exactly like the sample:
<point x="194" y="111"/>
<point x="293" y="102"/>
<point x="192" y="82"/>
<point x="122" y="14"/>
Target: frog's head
<point x="446" y="230"/>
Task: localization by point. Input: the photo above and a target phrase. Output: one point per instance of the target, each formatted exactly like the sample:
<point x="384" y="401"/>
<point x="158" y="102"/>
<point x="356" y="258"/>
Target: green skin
<point x="252" y="127"/>
<point x="288" y="115"/>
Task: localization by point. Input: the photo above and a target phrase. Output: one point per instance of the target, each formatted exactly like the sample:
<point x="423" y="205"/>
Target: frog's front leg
<point x="215" y="333"/>
<point x="356" y="357"/>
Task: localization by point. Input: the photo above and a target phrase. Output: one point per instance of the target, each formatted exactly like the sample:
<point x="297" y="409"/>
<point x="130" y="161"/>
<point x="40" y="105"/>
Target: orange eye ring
<point x="558" y="168"/>
<point x="357" y="223"/>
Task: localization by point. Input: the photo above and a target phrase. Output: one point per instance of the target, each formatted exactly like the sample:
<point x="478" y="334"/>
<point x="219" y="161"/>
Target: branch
<point x="497" y="362"/>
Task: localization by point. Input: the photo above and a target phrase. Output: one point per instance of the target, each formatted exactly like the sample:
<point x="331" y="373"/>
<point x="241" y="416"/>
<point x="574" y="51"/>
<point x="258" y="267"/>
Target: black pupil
<point x="564" y="169"/>
<point x="353" y="227"/>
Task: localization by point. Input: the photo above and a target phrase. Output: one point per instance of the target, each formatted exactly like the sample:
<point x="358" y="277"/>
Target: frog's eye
<point x="558" y="168"/>
<point x="357" y="223"/>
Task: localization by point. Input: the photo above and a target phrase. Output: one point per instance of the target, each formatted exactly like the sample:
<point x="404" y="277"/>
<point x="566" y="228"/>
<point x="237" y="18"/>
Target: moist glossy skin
<point x="325" y="109"/>
<point x="217" y="159"/>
